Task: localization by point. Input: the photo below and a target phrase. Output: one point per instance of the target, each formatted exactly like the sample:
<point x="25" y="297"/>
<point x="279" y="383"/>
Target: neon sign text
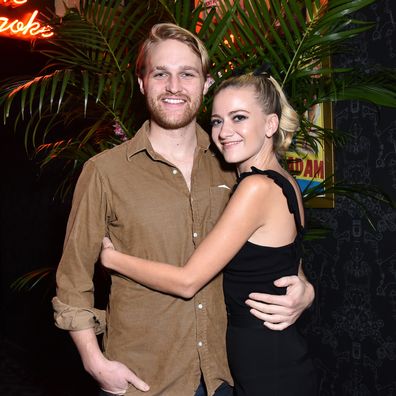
<point x="13" y="3"/>
<point x="28" y="29"/>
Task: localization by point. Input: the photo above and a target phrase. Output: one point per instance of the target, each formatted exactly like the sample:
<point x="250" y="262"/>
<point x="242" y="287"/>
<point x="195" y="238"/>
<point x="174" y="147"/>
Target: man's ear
<point x="141" y="85"/>
<point x="271" y="125"/>
<point x="208" y="83"/>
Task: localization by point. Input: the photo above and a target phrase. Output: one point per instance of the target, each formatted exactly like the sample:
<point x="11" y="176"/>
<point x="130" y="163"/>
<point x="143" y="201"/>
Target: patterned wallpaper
<point x="352" y="326"/>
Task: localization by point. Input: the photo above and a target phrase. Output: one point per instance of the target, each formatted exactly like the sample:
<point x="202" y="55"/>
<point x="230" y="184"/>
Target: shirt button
<point x="174" y="171"/>
<point x="200" y="306"/>
<point x="195" y="234"/>
<point x="200" y="343"/>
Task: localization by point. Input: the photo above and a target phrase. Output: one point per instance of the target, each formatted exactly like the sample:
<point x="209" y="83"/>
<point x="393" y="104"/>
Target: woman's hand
<point x="107" y="252"/>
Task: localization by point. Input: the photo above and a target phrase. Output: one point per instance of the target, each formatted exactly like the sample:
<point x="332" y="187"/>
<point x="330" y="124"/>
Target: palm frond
<point x="314" y="233"/>
<point x="90" y="59"/>
<point x="296" y="38"/>
<point x="86" y="90"/>
<point x="28" y="281"/>
<point x="358" y="193"/>
<point x="88" y="82"/>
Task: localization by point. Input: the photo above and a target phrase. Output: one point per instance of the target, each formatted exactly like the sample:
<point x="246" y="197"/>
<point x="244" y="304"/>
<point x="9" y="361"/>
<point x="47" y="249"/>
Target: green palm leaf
<point x="88" y="82"/>
<point x="89" y="60"/>
<point x="69" y="110"/>
<point x="28" y="281"/>
<point x="358" y="193"/>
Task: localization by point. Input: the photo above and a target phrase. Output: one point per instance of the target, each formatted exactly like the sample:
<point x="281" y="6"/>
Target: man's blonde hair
<point x="169" y="31"/>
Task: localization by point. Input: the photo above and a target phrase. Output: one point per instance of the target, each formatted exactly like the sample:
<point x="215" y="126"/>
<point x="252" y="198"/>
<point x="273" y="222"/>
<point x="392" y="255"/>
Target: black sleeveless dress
<point x="265" y="362"/>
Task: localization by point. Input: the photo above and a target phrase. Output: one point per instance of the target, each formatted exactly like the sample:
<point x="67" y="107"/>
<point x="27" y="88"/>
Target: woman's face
<point x="240" y="129"/>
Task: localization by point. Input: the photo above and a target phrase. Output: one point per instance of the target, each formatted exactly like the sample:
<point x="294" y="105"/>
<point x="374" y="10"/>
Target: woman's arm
<point x="240" y="219"/>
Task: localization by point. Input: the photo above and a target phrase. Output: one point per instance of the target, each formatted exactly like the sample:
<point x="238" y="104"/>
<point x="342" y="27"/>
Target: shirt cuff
<point x="74" y="318"/>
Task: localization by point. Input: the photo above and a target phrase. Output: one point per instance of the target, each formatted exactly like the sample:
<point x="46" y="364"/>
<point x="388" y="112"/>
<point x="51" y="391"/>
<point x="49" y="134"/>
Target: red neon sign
<point x="26" y="28"/>
<point x="13" y="3"/>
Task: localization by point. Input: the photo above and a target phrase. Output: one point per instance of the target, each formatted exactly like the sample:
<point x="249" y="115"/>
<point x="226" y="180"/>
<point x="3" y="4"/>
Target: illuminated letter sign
<point x="13" y="3"/>
<point x="26" y="27"/>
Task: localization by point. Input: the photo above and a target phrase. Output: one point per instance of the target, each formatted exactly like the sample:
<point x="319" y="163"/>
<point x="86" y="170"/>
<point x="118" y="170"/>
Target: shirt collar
<point x="140" y="142"/>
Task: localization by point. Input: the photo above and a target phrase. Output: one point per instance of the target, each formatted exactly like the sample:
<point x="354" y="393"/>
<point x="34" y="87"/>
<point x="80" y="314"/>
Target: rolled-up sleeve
<point x="86" y="227"/>
<point x="75" y="318"/>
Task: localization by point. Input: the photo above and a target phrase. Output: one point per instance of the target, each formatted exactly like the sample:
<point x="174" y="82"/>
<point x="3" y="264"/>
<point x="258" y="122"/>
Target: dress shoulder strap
<point x="287" y="189"/>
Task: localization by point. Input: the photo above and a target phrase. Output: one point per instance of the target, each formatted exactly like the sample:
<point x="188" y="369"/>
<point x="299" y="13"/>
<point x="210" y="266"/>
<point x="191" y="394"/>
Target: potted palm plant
<point x="85" y="99"/>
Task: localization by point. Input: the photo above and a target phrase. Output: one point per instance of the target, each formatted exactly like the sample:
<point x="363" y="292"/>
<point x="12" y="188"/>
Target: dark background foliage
<point x="352" y="326"/>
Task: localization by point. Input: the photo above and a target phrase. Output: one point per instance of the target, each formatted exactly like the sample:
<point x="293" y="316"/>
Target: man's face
<point x="174" y="84"/>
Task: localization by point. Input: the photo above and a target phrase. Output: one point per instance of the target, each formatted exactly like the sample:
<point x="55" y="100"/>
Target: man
<point x="157" y="196"/>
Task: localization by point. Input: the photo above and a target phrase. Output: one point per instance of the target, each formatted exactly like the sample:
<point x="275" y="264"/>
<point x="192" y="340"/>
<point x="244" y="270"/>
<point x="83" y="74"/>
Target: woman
<point x="257" y="239"/>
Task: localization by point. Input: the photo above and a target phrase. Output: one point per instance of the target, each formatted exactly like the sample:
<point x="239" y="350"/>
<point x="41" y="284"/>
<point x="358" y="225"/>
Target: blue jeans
<point x="223" y="390"/>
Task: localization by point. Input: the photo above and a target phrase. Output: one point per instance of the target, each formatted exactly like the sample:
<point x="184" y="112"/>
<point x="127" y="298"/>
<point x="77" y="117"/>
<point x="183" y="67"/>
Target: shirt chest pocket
<point x="219" y="196"/>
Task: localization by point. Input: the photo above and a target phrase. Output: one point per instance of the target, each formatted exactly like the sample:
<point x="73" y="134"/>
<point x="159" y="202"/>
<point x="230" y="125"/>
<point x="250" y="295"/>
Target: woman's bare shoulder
<point x="256" y="184"/>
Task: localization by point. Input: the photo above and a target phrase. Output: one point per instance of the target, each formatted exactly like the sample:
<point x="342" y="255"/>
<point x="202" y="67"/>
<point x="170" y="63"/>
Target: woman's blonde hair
<point x="169" y="31"/>
<point x="273" y="100"/>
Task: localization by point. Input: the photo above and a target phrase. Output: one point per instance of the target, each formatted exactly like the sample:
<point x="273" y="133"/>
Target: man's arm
<point x="113" y="377"/>
<point x="279" y="312"/>
<point x="74" y="304"/>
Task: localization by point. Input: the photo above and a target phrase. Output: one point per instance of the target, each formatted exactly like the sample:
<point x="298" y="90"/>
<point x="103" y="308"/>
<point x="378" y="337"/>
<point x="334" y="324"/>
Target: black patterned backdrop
<point x="351" y="327"/>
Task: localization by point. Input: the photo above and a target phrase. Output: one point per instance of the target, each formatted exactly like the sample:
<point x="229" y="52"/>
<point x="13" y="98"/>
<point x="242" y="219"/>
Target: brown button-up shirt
<point x="143" y="203"/>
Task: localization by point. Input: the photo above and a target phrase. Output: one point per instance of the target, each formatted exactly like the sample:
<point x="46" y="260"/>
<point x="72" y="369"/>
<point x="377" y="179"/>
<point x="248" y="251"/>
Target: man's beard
<point x="169" y="120"/>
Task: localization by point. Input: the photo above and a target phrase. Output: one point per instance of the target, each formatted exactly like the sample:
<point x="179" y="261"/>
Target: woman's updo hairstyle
<point x="270" y="95"/>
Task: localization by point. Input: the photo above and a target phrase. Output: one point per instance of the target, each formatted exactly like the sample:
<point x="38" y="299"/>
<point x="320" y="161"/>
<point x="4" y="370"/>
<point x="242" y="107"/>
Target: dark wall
<point x="35" y="357"/>
<point x="352" y="326"/>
